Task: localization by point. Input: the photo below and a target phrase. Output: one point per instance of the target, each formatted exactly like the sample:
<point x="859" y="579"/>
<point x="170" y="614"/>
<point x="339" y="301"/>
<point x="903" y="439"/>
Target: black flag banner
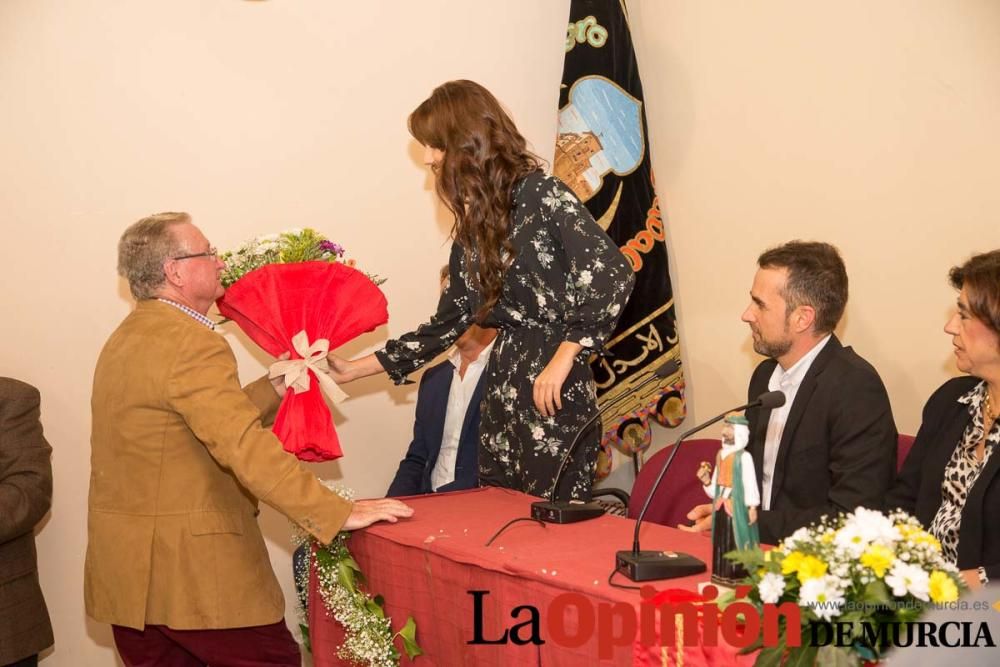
<point x="602" y="154"/>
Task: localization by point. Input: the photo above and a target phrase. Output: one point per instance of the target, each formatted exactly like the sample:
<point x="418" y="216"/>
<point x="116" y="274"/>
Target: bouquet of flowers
<point x="291" y="292"/>
<point x="869" y="573"/>
<point x="368" y="635"/>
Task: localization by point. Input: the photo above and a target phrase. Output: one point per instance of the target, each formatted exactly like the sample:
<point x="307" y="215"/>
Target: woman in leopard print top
<point x="950" y="480"/>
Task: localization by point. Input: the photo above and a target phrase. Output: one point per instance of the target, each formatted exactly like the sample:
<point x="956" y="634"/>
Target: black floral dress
<point x="568" y="282"/>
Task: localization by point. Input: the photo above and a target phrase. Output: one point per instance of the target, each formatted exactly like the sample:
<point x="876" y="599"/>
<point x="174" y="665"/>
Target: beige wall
<point x="872" y="125"/>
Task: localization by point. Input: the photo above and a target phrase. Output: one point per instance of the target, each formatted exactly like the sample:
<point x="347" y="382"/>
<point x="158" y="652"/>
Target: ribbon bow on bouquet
<point x="296" y="371"/>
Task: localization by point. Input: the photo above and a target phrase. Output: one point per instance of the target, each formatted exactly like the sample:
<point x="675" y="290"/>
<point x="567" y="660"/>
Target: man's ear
<point x="803" y="319"/>
<point x="172" y="271"/>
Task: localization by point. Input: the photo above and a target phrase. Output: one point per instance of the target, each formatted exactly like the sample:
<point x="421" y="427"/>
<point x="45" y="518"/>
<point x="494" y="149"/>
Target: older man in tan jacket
<point x="180" y="457"/>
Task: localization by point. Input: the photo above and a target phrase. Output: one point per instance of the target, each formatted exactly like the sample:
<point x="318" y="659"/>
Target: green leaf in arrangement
<point x="409" y="636"/>
<point x="345" y="575"/>
<point x="304" y="629"/>
<point x="770" y="657"/>
<point x="802" y="656"/>
<point x="374" y="607"/>
<point x="877" y="592"/>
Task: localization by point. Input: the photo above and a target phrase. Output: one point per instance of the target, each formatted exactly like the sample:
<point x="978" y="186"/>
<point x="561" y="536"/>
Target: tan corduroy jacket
<point x="179" y="457"/>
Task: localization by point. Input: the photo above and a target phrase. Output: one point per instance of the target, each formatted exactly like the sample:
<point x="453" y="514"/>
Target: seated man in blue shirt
<point x="443" y="453"/>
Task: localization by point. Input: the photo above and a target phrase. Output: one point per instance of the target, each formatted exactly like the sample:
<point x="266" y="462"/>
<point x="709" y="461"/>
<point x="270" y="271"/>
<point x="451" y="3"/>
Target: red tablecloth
<point x="425" y="566"/>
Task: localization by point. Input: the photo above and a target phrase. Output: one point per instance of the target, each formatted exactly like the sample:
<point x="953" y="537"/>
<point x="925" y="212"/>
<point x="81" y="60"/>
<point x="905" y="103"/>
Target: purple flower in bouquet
<point x="331" y="247"/>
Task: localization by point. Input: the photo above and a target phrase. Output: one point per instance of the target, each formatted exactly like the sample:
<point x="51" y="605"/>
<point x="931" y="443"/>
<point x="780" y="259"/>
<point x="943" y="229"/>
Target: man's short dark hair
<point x="816" y="277"/>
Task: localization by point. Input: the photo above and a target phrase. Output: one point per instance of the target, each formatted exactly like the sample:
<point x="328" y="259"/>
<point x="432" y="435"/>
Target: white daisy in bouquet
<point x="864" y="568"/>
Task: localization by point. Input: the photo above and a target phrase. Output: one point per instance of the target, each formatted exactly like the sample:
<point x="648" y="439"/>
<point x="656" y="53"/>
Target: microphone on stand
<point x="553" y="511"/>
<point x="640" y="565"/>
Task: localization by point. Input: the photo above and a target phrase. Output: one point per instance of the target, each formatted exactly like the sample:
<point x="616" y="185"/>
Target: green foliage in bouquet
<point x="369" y="639"/>
<point x="288" y="247"/>
<point x="865" y="569"/>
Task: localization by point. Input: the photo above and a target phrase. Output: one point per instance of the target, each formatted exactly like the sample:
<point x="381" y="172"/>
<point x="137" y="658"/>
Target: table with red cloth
<point x="424" y="567"/>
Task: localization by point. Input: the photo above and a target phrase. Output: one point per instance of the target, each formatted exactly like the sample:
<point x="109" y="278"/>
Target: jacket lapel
<point x="799" y="406"/>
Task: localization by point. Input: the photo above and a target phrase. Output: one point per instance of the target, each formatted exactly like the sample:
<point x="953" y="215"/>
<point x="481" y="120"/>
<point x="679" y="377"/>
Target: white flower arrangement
<point x="860" y="568"/>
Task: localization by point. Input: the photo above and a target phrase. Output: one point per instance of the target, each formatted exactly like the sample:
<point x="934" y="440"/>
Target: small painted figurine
<point x="732" y="486"/>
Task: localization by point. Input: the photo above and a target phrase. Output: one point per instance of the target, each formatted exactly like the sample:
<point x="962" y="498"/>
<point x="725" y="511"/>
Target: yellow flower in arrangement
<point x="942" y="588"/>
<point x="923" y="537"/>
<point x="828" y="536"/>
<point x="917" y="535"/>
<point x="791" y="562"/>
<point x="878" y="558"/>
<point x="811" y="568"/>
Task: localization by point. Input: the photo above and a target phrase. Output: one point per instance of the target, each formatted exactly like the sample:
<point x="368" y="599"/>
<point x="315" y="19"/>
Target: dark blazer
<point x="838" y="449"/>
<point x="414" y="474"/>
<point x="918" y="488"/>
<point x="25" y="497"/>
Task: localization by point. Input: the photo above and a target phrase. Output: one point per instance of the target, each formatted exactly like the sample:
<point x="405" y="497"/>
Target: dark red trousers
<point x="159" y="646"/>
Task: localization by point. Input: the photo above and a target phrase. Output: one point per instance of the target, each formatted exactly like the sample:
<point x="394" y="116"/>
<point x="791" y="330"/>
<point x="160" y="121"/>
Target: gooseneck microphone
<point x="552" y="511"/>
<point x="640" y="565"/>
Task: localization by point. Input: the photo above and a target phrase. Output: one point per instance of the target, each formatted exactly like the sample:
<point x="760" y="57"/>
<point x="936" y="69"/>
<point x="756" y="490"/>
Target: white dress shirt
<point x="788" y="383"/>
<point x="459" y="397"/>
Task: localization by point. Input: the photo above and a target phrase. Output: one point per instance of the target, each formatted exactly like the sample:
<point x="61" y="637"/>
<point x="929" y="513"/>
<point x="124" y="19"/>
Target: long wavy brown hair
<point x="484" y="156"/>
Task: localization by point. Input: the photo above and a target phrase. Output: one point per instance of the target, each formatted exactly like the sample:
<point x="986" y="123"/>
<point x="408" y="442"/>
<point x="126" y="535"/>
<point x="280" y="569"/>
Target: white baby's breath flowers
<point x="791" y="542"/>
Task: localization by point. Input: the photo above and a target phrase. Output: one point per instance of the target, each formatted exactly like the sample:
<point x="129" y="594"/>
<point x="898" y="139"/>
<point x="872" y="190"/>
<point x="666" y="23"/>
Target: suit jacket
<point x="918" y="488"/>
<point x="25" y="497"/>
<point x="838" y="449"/>
<point x="179" y="459"/>
<point x="414" y="474"/>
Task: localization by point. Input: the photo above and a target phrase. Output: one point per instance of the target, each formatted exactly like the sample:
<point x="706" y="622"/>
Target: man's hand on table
<point x="367" y="512"/>
<point x="702" y="517"/>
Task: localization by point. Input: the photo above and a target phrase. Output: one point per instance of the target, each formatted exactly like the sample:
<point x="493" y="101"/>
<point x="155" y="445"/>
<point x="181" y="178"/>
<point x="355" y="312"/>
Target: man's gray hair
<point x="143" y="249"/>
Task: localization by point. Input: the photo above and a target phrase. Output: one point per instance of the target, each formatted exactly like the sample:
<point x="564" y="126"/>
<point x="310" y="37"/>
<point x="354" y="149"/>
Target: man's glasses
<point x="212" y="252"/>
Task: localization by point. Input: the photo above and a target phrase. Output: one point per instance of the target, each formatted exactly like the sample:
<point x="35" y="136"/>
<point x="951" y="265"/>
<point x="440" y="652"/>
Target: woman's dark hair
<point x="484" y="157"/>
<point x="980" y="276"/>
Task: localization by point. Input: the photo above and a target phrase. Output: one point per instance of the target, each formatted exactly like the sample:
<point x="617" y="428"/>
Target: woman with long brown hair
<point x="528" y="259"/>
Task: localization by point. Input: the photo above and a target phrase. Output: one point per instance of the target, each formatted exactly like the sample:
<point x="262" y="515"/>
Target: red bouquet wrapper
<point x="326" y="300"/>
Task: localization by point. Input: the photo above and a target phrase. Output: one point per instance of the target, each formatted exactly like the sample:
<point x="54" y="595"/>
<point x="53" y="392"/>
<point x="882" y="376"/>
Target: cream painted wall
<point x="871" y="125"/>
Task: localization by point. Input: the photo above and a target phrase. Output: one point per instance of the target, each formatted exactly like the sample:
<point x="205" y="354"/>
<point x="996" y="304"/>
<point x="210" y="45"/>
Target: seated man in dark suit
<point x="832" y="446"/>
<point x="443" y="453"/>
